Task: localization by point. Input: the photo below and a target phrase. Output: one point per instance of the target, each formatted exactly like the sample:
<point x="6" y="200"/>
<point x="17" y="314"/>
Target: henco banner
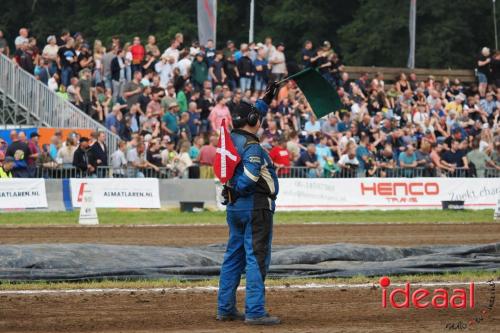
<point x="118" y="192"/>
<point x="16" y="193"/>
<point x="388" y="193"/>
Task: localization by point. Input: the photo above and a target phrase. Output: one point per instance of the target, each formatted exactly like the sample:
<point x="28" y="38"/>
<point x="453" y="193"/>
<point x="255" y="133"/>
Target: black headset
<point x="252" y="117"/>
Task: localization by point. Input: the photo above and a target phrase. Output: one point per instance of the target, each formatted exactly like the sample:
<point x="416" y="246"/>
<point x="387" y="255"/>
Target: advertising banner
<point x="19" y="193"/>
<point x="117" y="192"/>
<point x="386" y="193"/>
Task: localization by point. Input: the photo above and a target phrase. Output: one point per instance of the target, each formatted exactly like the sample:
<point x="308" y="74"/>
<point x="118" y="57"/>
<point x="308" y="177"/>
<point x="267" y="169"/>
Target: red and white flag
<point x="226" y="157"/>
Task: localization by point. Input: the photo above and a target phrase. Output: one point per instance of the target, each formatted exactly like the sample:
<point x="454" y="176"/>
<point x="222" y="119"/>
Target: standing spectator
<point x="66" y="56"/>
<point x="231" y="70"/>
<point x="184" y="64"/>
<point x="99" y="154"/>
<point x="22" y="38"/>
<point x="210" y="52"/>
<point x="81" y="159"/>
<point x="173" y="51"/>
<point x="99" y="53"/>
<point x="23" y="58"/>
<point x="34" y="149"/>
<point x="85" y="85"/>
<point x="171" y="121"/>
<point x="483" y="70"/>
<point x="220" y="111"/>
<point x="199" y="71"/>
<point x="278" y="63"/>
<point x="119" y="160"/>
<point x="19" y="150"/>
<point x="307" y="54"/>
<point x="66" y="153"/>
<point x="85" y="60"/>
<point x="6" y="166"/>
<point x="261" y="70"/>
<point x="183" y="96"/>
<point x="50" y="53"/>
<point x="138" y="54"/>
<point x="118" y="75"/>
<point x="216" y="71"/>
<point x="107" y="59"/>
<point x="4" y="45"/>
<point x="133" y="89"/>
<point x="207" y="158"/>
<point x="495" y="69"/>
<point x="246" y="71"/>
<point x="151" y="47"/>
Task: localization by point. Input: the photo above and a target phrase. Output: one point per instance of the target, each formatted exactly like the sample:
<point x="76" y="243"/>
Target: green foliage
<point x="366" y="32"/>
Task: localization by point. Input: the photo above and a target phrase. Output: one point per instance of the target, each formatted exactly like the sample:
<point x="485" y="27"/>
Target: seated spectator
<point x="408" y="161"/>
<point x="348" y="162"/>
<point x="281" y="157"/>
<point x="309" y="161"/>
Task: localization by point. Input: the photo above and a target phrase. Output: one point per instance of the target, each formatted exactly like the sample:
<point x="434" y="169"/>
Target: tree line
<point x="450" y="33"/>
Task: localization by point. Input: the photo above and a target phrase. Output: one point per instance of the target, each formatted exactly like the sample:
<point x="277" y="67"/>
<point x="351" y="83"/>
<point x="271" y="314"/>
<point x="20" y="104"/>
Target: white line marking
<point x="213" y="288"/>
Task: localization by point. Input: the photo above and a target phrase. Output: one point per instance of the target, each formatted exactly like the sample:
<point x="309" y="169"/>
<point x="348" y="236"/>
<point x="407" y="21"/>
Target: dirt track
<point x="319" y="310"/>
<point x="323" y="310"/>
<point x="382" y="234"/>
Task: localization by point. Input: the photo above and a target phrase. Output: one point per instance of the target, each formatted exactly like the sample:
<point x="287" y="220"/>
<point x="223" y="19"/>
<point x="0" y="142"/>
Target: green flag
<point x="320" y="94"/>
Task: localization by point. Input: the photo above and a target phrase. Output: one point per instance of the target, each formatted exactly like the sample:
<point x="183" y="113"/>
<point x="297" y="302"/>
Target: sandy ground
<point x="381" y="234"/>
<point x="302" y="310"/>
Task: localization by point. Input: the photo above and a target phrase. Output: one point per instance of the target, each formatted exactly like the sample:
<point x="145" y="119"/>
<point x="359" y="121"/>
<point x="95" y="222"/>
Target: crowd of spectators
<point x="167" y="107"/>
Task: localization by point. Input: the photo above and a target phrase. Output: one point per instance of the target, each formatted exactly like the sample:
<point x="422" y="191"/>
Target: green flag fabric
<point x="320" y="94"/>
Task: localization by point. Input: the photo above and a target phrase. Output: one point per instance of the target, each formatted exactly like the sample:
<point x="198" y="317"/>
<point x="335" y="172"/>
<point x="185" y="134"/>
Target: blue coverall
<point x="250" y="220"/>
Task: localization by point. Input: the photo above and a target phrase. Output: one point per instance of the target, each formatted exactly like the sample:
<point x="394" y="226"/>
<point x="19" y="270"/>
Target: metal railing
<point x="62" y="171"/>
<point x="43" y="106"/>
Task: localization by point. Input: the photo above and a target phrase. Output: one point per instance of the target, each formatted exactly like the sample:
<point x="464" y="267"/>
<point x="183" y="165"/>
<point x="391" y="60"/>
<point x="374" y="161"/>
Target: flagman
<point x="250" y="195"/>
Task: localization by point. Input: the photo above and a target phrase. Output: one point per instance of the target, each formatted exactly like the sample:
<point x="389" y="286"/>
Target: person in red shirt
<point x="281" y="158"/>
<point x="138" y="54"/>
<point x="207" y="158"/>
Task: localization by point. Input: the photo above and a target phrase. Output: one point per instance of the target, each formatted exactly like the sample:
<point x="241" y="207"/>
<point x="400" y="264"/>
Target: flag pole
<point x="288" y="78"/>
<point x="495" y="24"/>
<point x="252" y="19"/>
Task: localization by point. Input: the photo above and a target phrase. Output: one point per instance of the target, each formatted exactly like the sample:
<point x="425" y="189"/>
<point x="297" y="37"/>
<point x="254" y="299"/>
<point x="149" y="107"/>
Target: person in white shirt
<point x="165" y="68"/>
<point x="278" y="63"/>
<point x="119" y="161"/>
<point x="184" y="64"/>
<point x="172" y="51"/>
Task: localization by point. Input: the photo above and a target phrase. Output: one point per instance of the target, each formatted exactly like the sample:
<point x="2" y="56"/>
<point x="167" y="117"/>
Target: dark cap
<point x="84" y="139"/>
<point x="9" y="159"/>
<point x="32" y="135"/>
<point x="281" y="44"/>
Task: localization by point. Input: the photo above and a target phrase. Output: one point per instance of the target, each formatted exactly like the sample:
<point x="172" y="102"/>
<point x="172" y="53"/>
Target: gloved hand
<point x="271" y="92"/>
<point x="229" y="195"/>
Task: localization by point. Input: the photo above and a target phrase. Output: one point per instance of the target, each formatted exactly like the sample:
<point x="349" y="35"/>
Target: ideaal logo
<point x="439" y="298"/>
<point x="422" y="298"/>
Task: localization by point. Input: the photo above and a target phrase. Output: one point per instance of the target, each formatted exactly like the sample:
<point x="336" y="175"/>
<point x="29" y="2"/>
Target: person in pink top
<point x="207" y="158"/>
<point x="220" y="111"/>
<point x="138" y="54"/>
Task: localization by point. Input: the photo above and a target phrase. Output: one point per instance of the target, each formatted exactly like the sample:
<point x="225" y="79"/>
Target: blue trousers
<point x="248" y="249"/>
